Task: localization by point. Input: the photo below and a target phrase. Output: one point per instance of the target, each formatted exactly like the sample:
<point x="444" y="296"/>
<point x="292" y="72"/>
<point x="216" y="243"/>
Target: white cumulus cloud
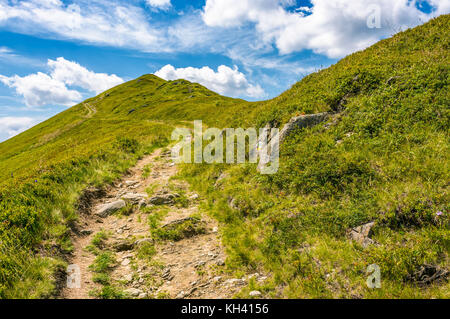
<point x="226" y="81"/>
<point x="49" y="89"/>
<point x="41" y="89"/>
<point x="100" y="22"/>
<point x="71" y="73"/>
<point x="160" y="4"/>
<point x="15" y="125"/>
<point x="331" y="27"/>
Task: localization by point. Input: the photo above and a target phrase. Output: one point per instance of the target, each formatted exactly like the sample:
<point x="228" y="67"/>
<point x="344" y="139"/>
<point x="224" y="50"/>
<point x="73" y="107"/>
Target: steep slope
<point x="383" y="158"/>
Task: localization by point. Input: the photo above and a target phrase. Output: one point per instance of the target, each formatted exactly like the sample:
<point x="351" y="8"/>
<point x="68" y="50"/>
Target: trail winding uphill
<point x="119" y="256"/>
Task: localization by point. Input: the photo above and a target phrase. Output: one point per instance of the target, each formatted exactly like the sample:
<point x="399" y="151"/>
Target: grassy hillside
<point x="44" y="170"/>
<point x="384" y="159"/>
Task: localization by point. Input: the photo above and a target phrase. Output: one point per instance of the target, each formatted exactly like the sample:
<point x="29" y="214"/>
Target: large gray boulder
<point x="109" y="208"/>
<point x="302" y="121"/>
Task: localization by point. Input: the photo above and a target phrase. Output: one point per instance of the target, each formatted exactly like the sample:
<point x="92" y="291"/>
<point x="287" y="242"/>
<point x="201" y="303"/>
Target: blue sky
<point x="56" y="53"/>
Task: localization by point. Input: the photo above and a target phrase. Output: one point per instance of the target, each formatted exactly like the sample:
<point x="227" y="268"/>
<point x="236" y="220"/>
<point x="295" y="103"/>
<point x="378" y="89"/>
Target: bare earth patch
<point x="189" y="266"/>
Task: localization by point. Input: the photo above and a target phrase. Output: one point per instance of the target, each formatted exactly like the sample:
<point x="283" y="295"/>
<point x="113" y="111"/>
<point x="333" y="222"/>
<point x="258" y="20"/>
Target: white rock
<point x="134" y="292"/>
<point x="180" y="295"/>
<point x="235" y="282"/>
<point x="216" y="279"/>
<point x="125" y="262"/>
<point x="255" y="293"/>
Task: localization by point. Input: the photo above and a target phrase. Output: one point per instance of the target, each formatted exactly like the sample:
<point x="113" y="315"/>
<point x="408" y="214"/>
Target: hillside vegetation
<point x="383" y="157"/>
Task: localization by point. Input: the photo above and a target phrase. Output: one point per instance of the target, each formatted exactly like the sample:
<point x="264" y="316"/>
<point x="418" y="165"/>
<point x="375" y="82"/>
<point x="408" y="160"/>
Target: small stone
<point x="235" y="282"/>
<point x="255" y="275"/>
<point x="125" y="262"/>
<point x="220" y="262"/>
<point x="142" y="295"/>
<point x="215" y="230"/>
<point x="217" y="279"/>
<point x="361" y="234"/>
<point x="128" y="277"/>
<point x="194" y="196"/>
<point x="86" y="232"/>
<point x="134" y="292"/>
<point x="255" y="293"/>
<point x="180" y="295"/>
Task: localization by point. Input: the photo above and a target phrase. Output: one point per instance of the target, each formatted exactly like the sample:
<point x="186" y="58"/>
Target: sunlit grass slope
<point x="384" y="159"/>
<point x="44" y="170"/>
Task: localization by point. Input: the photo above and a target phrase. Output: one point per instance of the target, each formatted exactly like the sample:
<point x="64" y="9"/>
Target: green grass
<point x="392" y="169"/>
<point x="180" y="231"/>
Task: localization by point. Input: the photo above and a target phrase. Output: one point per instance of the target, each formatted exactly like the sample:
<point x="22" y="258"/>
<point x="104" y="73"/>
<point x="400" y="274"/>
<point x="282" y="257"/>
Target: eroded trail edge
<point x="145" y="237"/>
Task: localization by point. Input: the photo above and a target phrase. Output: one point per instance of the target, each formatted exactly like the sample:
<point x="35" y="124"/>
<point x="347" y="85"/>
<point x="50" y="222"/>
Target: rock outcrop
<point x="110" y="208"/>
<point x="302" y="121"/>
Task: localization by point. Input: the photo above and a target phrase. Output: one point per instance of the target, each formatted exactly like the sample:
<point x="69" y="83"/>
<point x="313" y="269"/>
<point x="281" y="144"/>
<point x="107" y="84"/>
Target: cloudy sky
<point x="55" y="53"/>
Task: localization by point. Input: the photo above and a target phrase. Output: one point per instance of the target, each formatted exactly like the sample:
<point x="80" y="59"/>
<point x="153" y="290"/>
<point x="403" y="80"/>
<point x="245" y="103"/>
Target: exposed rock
<point x="220" y="179"/>
<point x="235" y="282"/>
<point x="194" y="196"/>
<point x="131" y="183"/>
<point x="133" y="292"/>
<point x="128" y="277"/>
<point x="217" y="279"/>
<point x="255" y="275"/>
<point x="255" y="293"/>
<point x="181" y="295"/>
<point x="361" y="234"/>
<point x="86" y="232"/>
<point x="220" y="262"/>
<point x="134" y="198"/>
<point x="125" y="262"/>
<point x="428" y="274"/>
<point x="107" y="209"/>
<point x="302" y="121"/>
<point x="162" y="199"/>
<point x="87" y="197"/>
<point x="144" y="240"/>
<point x="142" y="295"/>
<point x="123" y="245"/>
<point x="233" y="204"/>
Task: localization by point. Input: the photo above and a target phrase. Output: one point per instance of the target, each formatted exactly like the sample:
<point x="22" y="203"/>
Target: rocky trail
<point x="132" y="245"/>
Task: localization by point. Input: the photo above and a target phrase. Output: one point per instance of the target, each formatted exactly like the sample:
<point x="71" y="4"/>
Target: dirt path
<point x="91" y="109"/>
<point x="140" y="263"/>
